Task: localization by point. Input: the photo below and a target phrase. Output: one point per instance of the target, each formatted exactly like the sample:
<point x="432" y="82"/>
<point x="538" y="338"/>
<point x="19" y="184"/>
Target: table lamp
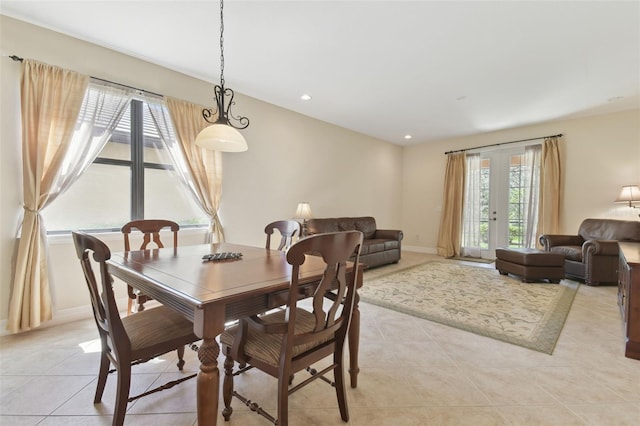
<point x="629" y="194"/>
<point x="303" y="212"/>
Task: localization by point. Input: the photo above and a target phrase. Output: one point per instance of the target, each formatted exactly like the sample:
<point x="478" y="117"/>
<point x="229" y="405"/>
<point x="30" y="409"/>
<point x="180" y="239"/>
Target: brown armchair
<point x="592" y="255"/>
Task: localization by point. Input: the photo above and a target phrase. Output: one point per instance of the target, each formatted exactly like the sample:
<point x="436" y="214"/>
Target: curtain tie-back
<point x="31" y="210"/>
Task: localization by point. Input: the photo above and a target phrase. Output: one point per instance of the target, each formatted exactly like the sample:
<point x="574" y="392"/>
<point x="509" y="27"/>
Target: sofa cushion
<point x="372" y="246"/>
<point x="321" y="226"/>
<point x="391" y="244"/>
<point x="366" y="225"/>
<point x="569" y="252"/>
<point x="610" y="229"/>
<point x="346" y="224"/>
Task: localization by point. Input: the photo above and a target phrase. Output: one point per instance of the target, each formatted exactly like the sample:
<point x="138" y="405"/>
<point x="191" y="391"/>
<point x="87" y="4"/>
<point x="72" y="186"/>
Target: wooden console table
<point x="629" y="296"/>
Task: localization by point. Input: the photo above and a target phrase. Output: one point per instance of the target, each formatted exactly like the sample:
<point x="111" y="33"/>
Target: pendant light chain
<point x="221" y="43"/>
<point x="225" y="137"/>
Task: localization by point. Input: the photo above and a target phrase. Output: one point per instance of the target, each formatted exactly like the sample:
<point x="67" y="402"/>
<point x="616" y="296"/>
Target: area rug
<point x="477" y="299"/>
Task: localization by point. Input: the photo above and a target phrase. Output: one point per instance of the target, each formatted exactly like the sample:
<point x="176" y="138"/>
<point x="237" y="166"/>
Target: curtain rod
<point x="19" y="59"/>
<point x="503" y="143"/>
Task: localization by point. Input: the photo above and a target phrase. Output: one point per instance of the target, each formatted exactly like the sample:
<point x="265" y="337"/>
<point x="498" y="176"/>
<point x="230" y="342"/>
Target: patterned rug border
<point x="547" y="338"/>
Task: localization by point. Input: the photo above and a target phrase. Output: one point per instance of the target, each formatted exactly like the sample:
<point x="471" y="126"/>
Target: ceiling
<point x="432" y="69"/>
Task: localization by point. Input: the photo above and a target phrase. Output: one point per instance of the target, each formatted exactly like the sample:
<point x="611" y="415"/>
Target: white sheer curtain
<point x="471" y="210"/>
<point x="166" y="129"/>
<point x="530" y="176"/>
<point x="102" y="109"/>
<point x="164" y="126"/>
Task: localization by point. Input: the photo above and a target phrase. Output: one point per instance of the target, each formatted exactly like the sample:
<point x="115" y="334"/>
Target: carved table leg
<point x="208" y="382"/>
<point x="354" y="341"/>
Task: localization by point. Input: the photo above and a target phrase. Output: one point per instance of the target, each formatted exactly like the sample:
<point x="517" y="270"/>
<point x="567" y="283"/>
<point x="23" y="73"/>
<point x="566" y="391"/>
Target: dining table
<point x="212" y="293"/>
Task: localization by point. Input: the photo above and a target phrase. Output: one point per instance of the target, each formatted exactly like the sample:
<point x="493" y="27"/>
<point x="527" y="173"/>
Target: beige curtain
<point x="204" y="166"/>
<point x="51" y="98"/>
<point x="550" y="187"/>
<point x="450" y="231"/>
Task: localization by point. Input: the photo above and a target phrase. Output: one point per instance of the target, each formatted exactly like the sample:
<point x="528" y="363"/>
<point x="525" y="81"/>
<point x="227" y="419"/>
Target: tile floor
<point x="413" y="372"/>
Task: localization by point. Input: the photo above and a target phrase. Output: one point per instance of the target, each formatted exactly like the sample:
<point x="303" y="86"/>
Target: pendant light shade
<point x="221" y="137"/>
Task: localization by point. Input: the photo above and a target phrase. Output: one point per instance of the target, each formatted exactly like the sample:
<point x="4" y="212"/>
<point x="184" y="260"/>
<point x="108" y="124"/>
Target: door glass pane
<point x="485" y="199"/>
<point x="516" y="202"/>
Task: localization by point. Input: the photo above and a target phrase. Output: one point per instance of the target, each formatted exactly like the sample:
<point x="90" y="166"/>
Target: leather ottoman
<point x="530" y="264"/>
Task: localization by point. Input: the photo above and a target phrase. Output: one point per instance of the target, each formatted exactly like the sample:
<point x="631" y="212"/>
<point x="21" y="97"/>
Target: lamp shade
<point x="221" y="137"/>
<point x="303" y="211"/>
<point x="629" y="194"/>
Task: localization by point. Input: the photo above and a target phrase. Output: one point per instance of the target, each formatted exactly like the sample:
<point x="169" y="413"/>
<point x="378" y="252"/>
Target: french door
<point x="501" y="204"/>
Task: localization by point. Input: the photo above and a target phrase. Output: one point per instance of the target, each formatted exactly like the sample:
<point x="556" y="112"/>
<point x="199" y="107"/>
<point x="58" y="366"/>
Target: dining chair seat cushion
<point x="157" y="326"/>
<point x="266" y="347"/>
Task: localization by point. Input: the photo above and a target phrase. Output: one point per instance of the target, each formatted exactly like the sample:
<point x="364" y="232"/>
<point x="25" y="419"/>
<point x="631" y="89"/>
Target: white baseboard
<point x="428" y="250"/>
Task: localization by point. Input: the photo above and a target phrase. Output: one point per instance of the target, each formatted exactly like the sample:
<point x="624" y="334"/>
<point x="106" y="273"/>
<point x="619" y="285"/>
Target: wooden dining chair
<point x="130" y="340"/>
<point x="292" y="339"/>
<point x="150" y="229"/>
<point x="288" y="230"/>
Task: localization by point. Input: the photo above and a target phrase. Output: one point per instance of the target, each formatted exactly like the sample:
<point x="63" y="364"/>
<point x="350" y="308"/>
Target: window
<point x="132" y="178"/>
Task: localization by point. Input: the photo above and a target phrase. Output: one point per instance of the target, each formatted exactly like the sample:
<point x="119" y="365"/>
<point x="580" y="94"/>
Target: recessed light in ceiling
<point x="408" y="137"/>
<point x="305" y="97"/>
<point x="615" y="98"/>
<point x="461" y="98"/>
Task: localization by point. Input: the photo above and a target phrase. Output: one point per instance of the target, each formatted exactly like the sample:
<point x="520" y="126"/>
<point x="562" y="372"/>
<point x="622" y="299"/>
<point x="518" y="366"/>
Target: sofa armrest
<point x="551" y="240"/>
<point x="600" y="248"/>
<point x="390" y="234"/>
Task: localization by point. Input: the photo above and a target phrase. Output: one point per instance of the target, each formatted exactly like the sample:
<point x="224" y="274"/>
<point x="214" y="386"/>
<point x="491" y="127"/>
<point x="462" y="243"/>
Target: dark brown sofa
<point x="380" y="246"/>
<point x="592" y="255"/>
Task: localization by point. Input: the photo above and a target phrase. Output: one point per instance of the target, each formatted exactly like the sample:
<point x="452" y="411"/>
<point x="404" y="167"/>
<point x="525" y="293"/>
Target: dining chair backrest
<point x="130" y="340"/>
<point x="150" y="229"/>
<point x="284" y="342"/>
<point x="335" y="248"/>
<point x="105" y="309"/>
<point x="288" y="230"/>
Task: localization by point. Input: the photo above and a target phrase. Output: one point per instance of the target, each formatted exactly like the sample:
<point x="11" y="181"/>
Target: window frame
<point x="136" y="165"/>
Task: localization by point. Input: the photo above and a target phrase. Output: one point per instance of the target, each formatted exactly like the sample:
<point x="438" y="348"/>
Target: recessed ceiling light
<point x="615" y="98"/>
<point x="408" y="137"/>
<point x="305" y="97"/>
<point x="461" y="98"/>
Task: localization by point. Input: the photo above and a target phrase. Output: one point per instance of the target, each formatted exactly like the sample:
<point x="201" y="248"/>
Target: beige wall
<point x="601" y="153"/>
<point x="294" y="158"/>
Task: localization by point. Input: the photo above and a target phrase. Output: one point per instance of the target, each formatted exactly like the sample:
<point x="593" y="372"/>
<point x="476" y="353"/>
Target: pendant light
<point x="222" y="135"/>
